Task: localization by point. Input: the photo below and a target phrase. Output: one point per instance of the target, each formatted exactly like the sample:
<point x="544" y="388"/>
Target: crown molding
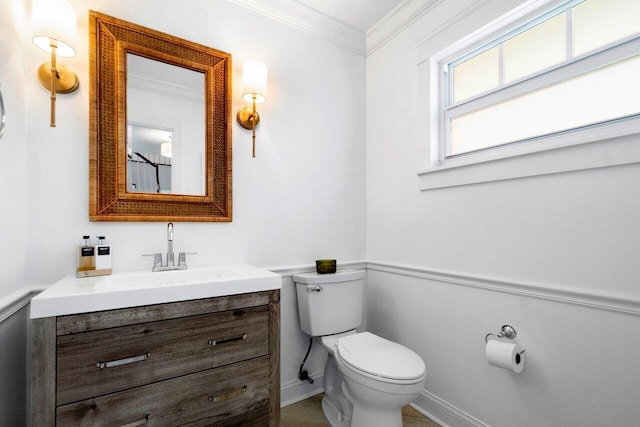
<point x="309" y="20"/>
<point x="400" y="18"/>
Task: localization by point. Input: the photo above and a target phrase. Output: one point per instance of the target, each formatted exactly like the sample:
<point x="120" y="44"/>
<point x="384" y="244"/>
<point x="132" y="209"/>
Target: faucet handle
<point x="182" y="258"/>
<point x="157" y="259"/>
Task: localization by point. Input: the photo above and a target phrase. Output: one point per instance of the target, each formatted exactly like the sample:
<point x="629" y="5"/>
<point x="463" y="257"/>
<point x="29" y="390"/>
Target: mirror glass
<point x="165" y="128"/>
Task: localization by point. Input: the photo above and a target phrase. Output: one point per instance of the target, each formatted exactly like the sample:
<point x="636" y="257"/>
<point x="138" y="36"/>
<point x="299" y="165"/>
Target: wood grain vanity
<point x="203" y="362"/>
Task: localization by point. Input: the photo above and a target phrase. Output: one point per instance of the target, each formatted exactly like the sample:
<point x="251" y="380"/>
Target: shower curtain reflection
<point x="148" y="173"/>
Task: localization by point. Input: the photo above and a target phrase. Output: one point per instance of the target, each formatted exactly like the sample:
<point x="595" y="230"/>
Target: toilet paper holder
<point x="506" y="331"/>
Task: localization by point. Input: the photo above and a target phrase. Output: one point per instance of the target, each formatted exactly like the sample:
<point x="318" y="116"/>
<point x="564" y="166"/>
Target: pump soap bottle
<point x="86" y="259"/>
<point x="103" y="257"/>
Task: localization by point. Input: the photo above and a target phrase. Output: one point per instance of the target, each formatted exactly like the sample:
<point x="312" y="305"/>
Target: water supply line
<point x="304" y="374"/>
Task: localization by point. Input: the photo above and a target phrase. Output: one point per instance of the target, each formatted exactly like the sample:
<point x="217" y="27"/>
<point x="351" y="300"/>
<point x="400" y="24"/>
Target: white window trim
<point x="439" y="173"/>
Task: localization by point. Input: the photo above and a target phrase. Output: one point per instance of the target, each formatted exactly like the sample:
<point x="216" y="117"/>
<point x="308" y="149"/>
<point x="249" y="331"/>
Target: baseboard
<point x="443" y="413"/>
<point x="295" y="391"/>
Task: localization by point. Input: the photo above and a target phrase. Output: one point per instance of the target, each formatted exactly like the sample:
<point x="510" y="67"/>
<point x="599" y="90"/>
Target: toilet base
<point x="332" y="413"/>
<point x="335" y="406"/>
<point x="365" y="415"/>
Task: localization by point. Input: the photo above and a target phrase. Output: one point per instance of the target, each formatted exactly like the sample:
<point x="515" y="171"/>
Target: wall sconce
<point x="254" y="90"/>
<point x="53" y="27"/>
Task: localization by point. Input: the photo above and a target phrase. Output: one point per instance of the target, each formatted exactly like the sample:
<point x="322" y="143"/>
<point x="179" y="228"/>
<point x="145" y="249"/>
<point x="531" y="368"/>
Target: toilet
<point x="367" y="379"/>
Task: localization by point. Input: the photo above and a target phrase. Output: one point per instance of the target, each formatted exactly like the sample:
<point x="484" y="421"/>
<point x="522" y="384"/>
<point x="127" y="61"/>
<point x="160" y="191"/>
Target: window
<point x="573" y="67"/>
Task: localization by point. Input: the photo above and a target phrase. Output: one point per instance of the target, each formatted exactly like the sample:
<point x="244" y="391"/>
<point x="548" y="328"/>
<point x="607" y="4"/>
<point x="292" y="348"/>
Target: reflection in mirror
<point x="166" y="141"/>
<point x="148" y="159"/>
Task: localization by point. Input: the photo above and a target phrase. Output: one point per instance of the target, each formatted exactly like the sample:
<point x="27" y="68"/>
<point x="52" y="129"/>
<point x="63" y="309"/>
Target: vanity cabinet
<point x="206" y="362"/>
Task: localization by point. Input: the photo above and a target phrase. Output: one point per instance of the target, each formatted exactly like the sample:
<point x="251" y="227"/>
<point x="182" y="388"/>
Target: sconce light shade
<point x="54" y="21"/>
<point x="254" y="81"/>
<point x="254" y="90"/>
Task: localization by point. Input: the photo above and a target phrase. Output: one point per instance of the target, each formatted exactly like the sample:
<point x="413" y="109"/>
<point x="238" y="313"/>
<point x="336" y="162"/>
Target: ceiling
<point x="359" y="14"/>
<point x="360" y="26"/>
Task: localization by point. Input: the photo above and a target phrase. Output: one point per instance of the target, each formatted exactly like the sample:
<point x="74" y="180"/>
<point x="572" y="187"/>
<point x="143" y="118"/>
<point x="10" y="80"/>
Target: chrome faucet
<point x="170" y="264"/>
<point x="170" y="257"/>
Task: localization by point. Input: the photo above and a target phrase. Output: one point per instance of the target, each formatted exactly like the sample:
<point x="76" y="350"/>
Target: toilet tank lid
<point x="338" y="276"/>
<point x="380" y="357"/>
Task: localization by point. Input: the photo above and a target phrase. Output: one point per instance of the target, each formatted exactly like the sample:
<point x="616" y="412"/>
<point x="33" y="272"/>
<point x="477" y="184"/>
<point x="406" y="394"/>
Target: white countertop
<point x="73" y="295"/>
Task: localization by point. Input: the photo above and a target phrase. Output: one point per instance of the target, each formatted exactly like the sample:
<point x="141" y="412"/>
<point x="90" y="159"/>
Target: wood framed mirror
<point x="160" y="126"/>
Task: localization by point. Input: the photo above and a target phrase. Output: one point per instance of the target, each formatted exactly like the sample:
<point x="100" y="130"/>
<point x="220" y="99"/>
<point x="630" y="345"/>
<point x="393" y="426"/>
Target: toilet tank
<point x="330" y="303"/>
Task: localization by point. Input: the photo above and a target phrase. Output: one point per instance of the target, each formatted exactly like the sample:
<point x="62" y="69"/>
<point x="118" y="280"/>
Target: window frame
<point x="517" y="21"/>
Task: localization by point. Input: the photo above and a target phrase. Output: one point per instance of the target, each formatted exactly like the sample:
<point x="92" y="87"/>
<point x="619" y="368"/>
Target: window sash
<point x="499" y="42"/>
<point x="569" y="69"/>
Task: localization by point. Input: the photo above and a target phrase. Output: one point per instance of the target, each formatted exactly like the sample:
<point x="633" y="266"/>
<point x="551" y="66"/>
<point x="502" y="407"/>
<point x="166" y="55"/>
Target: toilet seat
<point x="380" y="359"/>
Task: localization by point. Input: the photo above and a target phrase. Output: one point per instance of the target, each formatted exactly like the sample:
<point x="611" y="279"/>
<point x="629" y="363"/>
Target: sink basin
<point x="177" y="277"/>
<point x="73" y="295"/>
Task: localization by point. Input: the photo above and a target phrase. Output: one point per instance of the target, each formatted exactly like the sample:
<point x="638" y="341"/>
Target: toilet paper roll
<point x="505" y="355"/>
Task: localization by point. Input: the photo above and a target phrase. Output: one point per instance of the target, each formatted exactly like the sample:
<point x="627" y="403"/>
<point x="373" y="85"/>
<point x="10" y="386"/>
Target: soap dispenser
<point x="86" y="259"/>
<point x="103" y="257"/>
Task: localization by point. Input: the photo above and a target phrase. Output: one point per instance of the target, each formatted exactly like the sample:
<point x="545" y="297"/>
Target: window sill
<point x="612" y="144"/>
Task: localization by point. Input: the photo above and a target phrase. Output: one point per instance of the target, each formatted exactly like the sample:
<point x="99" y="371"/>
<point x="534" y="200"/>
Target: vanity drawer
<point x="95" y="363"/>
<point x="200" y="399"/>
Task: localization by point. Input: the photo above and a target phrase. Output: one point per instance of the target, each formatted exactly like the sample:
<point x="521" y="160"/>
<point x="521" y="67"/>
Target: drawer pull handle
<point x="226" y="340"/>
<point x="142" y="422"/>
<point x="120" y="362"/>
<point x="242" y="391"/>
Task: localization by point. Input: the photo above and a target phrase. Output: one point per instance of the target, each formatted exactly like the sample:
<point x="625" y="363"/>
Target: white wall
<point x="559" y="246"/>
<point x="14" y="161"/>
<point x="302" y="197"/>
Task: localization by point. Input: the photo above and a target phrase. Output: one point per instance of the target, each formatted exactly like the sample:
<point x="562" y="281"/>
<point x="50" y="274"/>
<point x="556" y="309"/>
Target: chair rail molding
<point x="306" y="268"/>
<point x="602" y="300"/>
<point x="18" y="299"/>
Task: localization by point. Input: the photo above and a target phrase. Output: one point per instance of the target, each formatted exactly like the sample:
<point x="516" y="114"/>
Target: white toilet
<point x="367" y="379"/>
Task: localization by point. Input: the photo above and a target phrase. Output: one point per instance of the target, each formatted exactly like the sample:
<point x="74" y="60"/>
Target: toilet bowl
<point x="379" y="378"/>
<point x="367" y="379"/>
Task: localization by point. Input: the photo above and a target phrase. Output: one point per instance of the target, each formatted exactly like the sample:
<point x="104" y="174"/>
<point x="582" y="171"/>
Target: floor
<point x="308" y="413"/>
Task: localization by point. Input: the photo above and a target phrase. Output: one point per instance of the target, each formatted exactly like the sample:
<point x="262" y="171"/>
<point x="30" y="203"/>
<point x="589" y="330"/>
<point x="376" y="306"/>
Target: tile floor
<point x="308" y="413"/>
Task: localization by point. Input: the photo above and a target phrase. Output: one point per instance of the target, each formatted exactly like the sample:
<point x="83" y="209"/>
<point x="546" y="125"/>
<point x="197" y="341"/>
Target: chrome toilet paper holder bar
<point x="3" y="117"/>
<point x="506" y="331"/>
